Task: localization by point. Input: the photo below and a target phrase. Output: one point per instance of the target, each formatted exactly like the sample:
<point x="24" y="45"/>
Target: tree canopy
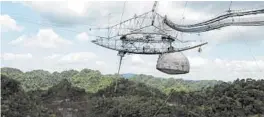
<point x="87" y="92"/>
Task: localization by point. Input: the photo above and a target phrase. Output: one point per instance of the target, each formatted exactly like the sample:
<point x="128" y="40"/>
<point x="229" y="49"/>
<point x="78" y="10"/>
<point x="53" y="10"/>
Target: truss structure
<point x="151" y="33"/>
<point x="230" y="18"/>
<point x="143" y="34"/>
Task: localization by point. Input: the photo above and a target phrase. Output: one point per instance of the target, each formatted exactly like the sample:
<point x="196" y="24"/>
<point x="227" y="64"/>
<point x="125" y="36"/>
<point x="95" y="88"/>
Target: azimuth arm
<point x="217" y="22"/>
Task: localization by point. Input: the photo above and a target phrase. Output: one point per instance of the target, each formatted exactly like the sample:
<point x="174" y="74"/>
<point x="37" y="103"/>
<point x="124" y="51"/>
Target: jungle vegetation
<point x="88" y="93"/>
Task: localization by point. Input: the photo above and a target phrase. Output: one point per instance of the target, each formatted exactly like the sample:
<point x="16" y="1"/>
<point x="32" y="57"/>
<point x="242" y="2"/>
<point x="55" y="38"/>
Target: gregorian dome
<point x="173" y="63"/>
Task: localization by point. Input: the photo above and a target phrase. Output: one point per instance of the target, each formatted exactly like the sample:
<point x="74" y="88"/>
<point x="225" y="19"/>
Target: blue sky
<point x="55" y="36"/>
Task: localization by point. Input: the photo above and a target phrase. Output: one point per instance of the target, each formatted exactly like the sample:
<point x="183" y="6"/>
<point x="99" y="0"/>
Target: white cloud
<point x="234" y="33"/>
<point x="259" y="58"/>
<point x="203" y="68"/>
<point x="53" y="56"/>
<point x="82" y="36"/>
<point x="100" y="63"/>
<point x="227" y="70"/>
<point x="13" y="56"/>
<point x="232" y="65"/>
<point x="241" y="65"/>
<point x="7" y="24"/>
<point x="45" y="38"/>
<point x="81" y="12"/>
<point x="70" y="12"/>
<point x="73" y="8"/>
<point x="137" y="60"/>
<point x="139" y="64"/>
<point x="78" y="57"/>
<point x="197" y="61"/>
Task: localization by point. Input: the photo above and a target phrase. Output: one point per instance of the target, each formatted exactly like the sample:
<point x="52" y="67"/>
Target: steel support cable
<point x="165" y="102"/>
<point x="219" y="18"/>
<point x="229" y="71"/>
<point x="54" y="26"/>
<point x="232" y="69"/>
<point x="119" y="66"/>
<point x="241" y="64"/>
<point x="122" y="16"/>
<point x="139" y="16"/>
<point x="121" y="56"/>
<point x="182" y="21"/>
<point x="229" y="9"/>
<point x="182" y="16"/>
<point x="249" y="49"/>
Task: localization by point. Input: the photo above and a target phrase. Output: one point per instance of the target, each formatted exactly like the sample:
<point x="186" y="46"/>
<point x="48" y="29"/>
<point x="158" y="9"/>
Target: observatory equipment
<point x="147" y="34"/>
<point x="230" y="18"/>
<point x="173" y="63"/>
<point x="152" y="34"/>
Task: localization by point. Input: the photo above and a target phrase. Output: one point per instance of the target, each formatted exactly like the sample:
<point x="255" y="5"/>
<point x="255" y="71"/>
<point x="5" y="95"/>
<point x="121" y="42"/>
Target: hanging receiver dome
<point x="173" y="63"/>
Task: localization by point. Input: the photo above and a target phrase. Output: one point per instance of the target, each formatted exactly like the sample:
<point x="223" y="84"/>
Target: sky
<point x="56" y="36"/>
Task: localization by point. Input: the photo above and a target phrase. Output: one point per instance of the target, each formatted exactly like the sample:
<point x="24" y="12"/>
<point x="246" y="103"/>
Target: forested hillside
<point x="92" y="80"/>
<point x="142" y="96"/>
<point x="166" y="85"/>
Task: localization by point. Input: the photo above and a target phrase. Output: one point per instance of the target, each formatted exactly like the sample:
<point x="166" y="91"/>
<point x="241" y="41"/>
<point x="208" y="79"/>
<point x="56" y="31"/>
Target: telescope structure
<point x="153" y="34"/>
<point x="230" y="18"/>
